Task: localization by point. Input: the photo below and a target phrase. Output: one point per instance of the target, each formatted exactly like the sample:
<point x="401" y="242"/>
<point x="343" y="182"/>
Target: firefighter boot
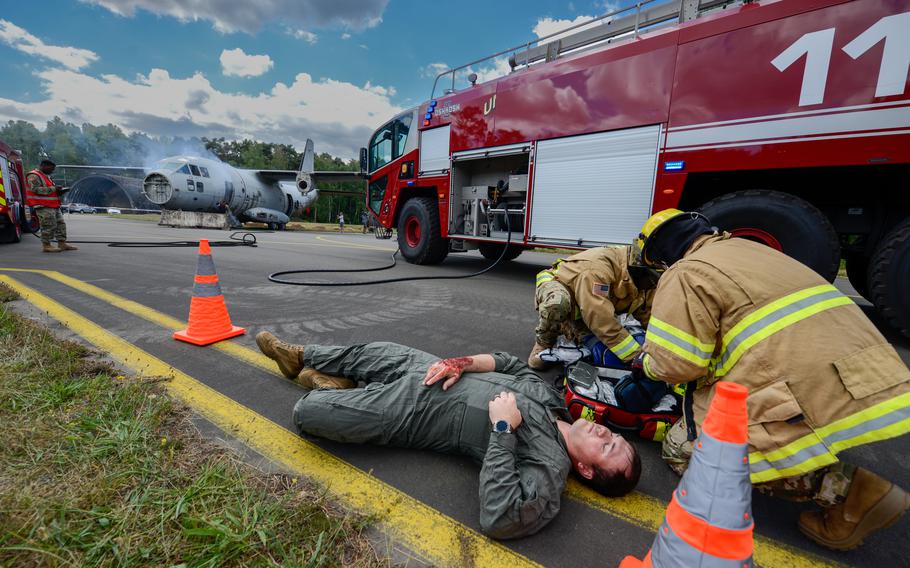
<point x="872" y="504"/>
<point x="63" y="246"/>
<point x="49" y="248"/>
<point x="286" y="355"/>
<point x="313" y="379"/>
<point x="534" y="360"/>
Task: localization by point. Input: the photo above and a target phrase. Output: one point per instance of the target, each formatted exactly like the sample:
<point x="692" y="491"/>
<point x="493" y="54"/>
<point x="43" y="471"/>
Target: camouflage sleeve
<point x="599" y="314"/>
<point x="37" y="187"/>
<point x="683" y="328"/>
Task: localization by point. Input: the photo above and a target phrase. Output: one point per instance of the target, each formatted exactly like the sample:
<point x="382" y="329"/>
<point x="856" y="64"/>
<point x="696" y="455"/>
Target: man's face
<point x="48" y="170"/>
<point x="595" y="445"/>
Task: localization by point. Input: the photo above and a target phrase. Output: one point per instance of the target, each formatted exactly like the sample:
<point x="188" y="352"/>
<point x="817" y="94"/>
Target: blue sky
<point x="281" y="71"/>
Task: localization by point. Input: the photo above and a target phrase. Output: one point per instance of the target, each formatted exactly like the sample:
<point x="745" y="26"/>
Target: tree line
<point x="109" y="145"/>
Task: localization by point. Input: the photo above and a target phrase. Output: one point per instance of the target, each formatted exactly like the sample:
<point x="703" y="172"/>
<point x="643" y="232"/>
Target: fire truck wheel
<point x="888" y="272"/>
<point x="491" y="251"/>
<point x="783" y="222"/>
<point x="13" y="232"/>
<point x="858" y="272"/>
<point x="419" y="234"/>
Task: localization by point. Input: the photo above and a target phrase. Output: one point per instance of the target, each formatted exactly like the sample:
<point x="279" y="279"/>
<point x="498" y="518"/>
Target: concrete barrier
<point x="195" y="219"/>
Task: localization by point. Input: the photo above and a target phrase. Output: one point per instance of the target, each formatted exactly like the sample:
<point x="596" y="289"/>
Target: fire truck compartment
<point x="489" y="193"/>
<point x="593" y="189"/>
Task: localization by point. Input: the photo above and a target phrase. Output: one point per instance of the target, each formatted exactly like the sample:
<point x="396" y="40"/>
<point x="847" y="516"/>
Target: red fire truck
<point x="14" y="215"/>
<point x="787" y="122"/>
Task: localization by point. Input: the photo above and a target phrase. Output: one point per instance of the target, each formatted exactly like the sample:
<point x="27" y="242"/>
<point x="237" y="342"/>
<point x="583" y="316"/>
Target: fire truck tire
<point x="419" y="234"/>
<point x="13" y="232"/>
<point x="889" y="271"/>
<point x="782" y="221"/>
<point x="491" y="251"/>
<point x="858" y="272"/>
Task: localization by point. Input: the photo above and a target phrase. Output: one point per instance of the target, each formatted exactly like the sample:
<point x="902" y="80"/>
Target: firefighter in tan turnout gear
<point x="588" y="290"/>
<point x="821" y="378"/>
<point x="44" y="195"/>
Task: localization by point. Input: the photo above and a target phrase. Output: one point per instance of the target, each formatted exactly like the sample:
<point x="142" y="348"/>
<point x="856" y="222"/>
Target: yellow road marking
<point x="637" y="508"/>
<point x="426" y="532"/>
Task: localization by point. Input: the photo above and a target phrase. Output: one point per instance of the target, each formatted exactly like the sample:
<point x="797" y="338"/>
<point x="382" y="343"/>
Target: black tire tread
<point x="437" y="248"/>
<point x="896" y="239"/>
<point x="804" y="206"/>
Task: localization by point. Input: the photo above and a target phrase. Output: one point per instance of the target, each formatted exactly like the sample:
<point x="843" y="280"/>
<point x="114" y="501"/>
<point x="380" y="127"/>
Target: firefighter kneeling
<point x="821" y="377"/>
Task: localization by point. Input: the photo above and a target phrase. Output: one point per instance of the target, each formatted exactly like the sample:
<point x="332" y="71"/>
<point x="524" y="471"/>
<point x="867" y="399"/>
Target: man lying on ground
<point x="490" y="407"/>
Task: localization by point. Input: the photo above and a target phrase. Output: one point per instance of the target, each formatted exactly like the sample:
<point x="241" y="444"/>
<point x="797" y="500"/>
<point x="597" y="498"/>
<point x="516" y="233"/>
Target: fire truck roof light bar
<point x="665" y="12"/>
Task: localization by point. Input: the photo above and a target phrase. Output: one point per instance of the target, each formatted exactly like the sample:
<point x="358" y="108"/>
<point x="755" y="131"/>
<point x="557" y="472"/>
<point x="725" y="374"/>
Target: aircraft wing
<point x="115" y="168"/>
<point x="323" y="177"/>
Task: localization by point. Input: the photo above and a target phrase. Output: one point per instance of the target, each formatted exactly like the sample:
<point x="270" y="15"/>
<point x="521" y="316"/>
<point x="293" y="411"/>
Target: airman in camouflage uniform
<point x="44" y="195"/>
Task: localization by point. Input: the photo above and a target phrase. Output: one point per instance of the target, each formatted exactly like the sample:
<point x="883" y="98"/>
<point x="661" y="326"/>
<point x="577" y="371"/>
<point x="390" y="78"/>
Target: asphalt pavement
<point x="491" y="312"/>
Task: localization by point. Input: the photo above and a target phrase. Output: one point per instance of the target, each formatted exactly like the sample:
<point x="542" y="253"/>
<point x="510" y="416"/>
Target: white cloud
<point x="306" y="36"/>
<point x="249" y="16"/>
<point x="496" y="68"/>
<point x="433" y="69"/>
<point x="69" y="57"/>
<point x="345" y="36"/>
<point x="339" y="116"/>
<point x="239" y="64"/>
<point x="547" y="26"/>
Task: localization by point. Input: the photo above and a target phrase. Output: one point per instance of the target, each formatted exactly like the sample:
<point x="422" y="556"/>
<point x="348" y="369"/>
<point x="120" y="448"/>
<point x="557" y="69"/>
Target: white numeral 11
<point x="817" y="46"/>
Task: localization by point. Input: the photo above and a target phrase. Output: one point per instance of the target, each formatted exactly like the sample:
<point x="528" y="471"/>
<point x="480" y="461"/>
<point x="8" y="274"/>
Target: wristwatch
<point x="502" y="427"/>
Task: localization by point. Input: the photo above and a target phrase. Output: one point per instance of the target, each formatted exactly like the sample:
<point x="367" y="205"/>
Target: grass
<point x="99" y="470"/>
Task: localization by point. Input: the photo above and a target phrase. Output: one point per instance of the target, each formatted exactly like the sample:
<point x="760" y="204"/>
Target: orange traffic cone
<point x="709" y="519"/>
<point x="209" y="320"/>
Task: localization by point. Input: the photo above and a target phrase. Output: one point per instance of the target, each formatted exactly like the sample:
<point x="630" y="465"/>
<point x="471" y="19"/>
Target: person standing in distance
<point x="44" y="195"/>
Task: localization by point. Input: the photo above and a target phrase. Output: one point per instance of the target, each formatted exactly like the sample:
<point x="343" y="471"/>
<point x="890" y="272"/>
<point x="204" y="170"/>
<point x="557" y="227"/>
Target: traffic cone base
<point x="209" y="321"/>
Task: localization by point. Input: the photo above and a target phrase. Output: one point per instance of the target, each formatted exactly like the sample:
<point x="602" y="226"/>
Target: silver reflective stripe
<point x="205" y="266"/>
<point x="716" y="487"/>
<point x="206" y="290"/>
<point x="793" y="460"/>
<point x="685" y="345"/>
<point x="769" y="319"/>
<point x="670" y="550"/>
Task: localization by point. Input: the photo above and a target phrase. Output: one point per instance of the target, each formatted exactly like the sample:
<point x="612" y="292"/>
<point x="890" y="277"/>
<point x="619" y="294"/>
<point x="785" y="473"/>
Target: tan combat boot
<point x="872" y="504"/>
<point x="63" y="246"/>
<point x="313" y="379"/>
<point x="286" y="355"/>
<point x="49" y="248"/>
<point x="534" y="360"/>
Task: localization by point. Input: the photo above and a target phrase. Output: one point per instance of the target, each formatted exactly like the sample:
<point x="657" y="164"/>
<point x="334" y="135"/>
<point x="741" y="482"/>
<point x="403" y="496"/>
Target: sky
<point x="272" y="70"/>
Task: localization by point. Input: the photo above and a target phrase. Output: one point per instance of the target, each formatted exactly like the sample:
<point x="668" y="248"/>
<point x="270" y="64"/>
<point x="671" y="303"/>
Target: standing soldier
<point x="364" y="221"/>
<point x="44" y="195"/>
<point x="593" y="286"/>
<point x="821" y="377"/>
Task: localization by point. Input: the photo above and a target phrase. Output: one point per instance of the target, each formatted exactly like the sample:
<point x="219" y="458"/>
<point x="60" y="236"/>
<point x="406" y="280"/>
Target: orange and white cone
<point x="709" y="519"/>
<point x="209" y="320"/>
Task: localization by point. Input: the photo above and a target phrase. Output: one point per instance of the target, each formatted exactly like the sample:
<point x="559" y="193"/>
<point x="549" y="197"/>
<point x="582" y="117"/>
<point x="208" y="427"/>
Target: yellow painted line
<point x="638" y="509"/>
<point x="423" y="530"/>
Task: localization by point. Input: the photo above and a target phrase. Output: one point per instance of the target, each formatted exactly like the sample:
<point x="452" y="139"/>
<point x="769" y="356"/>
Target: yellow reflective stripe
<point x="646" y="365"/>
<point x="678" y="342"/>
<point x="544" y="276"/>
<point x="865" y="415"/>
<point x="2" y="200"/>
<point x="805" y="467"/>
<point x="773" y="328"/>
<point x="626" y="348"/>
<point x="772" y="307"/>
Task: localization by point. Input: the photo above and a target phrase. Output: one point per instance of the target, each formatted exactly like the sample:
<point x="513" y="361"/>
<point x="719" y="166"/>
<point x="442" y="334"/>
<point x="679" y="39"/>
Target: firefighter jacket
<point x="601" y="288"/>
<point x="40" y="190"/>
<point x="821" y="377"/>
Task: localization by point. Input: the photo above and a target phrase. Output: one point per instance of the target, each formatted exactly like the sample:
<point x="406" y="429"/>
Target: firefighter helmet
<point x="638" y="250"/>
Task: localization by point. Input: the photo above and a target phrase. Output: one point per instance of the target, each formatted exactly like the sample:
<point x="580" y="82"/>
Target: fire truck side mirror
<point x="363" y="160"/>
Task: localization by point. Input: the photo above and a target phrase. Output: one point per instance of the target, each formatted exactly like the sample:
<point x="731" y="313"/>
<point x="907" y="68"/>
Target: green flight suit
<point x="522" y="474"/>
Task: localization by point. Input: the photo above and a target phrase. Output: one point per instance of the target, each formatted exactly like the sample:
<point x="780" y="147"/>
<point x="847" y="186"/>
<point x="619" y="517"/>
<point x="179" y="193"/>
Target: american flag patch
<point x="601" y="289"/>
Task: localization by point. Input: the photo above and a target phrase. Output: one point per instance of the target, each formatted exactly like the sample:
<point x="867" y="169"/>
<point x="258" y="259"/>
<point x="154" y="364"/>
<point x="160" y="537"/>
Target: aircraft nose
<point x="157" y="188"/>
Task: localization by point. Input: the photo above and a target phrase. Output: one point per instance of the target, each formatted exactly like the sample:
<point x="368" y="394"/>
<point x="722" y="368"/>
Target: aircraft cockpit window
<point x="194" y="169"/>
<point x="205" y="171"/>
<point x="184" y="170"/>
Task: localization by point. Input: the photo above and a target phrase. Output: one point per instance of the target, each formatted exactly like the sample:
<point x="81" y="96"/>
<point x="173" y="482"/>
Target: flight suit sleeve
<point x="37" y="187"/>
<point x="599" y="314"/>
<point x="683" y="329"/>
<point x="509" y="364"/>
<point x="514" y="502"/>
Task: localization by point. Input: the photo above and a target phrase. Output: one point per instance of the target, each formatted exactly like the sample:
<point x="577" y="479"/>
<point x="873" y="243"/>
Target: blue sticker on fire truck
<point x="674" y="166"/>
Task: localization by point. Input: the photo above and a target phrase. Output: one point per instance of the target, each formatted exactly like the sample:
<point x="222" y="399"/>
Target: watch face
<point x="502" y="426"/>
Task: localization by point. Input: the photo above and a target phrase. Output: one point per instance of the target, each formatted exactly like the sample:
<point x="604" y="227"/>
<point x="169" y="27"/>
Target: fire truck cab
<point x="15" y="217"/>
<point x="784" y="121"/>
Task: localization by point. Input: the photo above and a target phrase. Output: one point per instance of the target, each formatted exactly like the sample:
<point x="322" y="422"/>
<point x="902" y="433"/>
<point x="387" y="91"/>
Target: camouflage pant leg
<point x="827" y="486"/>
<point x="52" y="224"/>
<point x="554" y="306"/>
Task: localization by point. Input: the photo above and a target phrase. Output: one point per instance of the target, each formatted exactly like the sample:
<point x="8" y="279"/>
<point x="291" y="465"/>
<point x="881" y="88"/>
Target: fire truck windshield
<point x="389" y="142"/>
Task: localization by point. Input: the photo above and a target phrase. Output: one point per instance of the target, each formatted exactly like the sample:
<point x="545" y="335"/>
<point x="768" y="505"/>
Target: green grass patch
<point x="103" y="470"/>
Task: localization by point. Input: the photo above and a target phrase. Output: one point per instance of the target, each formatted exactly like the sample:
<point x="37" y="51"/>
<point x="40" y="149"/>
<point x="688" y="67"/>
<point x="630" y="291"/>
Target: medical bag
<point x="590" y="394"/>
